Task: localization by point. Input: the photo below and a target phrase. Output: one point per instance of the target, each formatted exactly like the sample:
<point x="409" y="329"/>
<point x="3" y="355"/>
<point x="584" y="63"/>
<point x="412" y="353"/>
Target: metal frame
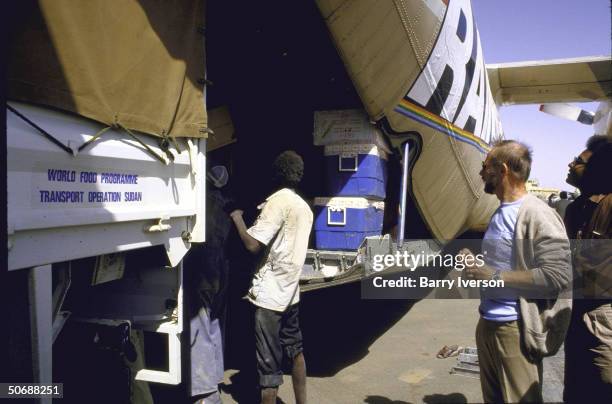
<point x="401" y="226"/>
<point x="41" y="324"/>
<point x="173" y="375"/>
<point x="344" y="259"/>
<point x="174" y="330"/>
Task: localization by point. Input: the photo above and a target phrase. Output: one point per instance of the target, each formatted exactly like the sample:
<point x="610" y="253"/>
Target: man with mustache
<point x="526" y="247"/>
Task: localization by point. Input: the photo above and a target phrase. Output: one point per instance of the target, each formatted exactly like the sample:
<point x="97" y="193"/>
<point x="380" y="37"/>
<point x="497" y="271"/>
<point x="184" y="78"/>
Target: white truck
<point x="106" y="172"/>
<point x="111" y="198"/>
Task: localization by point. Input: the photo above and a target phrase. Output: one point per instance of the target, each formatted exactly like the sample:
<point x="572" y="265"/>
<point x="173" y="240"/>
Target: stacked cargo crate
<point x="356" y="173"/>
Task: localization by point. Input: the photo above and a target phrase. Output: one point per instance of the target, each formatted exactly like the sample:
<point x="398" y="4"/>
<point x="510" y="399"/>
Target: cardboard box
<point x="346" y="126"/>
<point x="220" y="121"/>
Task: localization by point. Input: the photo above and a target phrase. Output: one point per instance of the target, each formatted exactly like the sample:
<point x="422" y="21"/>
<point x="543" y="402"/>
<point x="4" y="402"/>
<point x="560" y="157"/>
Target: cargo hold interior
<point x="274" y="64"/>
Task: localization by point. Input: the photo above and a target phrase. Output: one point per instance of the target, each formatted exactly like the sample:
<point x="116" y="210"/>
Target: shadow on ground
<point x="383" y="400"/>
<point x="338" y="328"/>
<point x="457" y="398"/>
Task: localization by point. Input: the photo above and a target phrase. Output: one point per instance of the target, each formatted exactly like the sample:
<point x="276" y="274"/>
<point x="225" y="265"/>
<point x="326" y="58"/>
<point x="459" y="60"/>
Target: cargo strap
<point x="117" y="124"/>
<point x="165" y="143"/>
<point x="94" y="138"/>
<point x="172" y="140"/>
<point x="143" y="144"/>
<point x="41" y="131"/>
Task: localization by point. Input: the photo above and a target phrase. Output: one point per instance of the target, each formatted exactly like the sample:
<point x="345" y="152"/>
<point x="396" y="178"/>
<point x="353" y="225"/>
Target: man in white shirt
<point x="283" y="229"/>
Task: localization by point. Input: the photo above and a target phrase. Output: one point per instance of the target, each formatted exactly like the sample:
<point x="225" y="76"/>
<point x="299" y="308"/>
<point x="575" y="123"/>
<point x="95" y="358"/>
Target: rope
<point x="151" y="151"/>
<point x="164" y="144"/>
<point x="42" y="131"/>
<point x="87" y="143"/>
<point x="175" y="144"/>
<point x="93" y="139"/>
<point x="102" y="131"/>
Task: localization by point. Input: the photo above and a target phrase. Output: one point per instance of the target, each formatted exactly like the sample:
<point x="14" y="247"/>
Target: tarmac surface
<point x="384" y="351"/>
<point x="367" y="351"/>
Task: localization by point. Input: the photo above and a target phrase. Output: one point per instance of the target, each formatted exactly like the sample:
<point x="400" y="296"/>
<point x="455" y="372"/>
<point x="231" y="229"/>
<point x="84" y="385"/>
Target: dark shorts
<point x="277" y="338"/>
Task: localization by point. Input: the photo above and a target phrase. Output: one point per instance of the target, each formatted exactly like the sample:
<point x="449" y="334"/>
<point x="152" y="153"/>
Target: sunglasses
<point x="578" y="160"/>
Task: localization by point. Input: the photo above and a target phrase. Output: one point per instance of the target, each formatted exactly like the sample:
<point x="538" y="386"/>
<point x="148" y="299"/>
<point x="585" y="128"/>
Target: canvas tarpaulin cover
<point x="137" y="64"/>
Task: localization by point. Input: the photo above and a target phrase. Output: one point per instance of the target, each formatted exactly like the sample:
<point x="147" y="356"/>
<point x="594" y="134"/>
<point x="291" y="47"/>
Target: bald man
<point x="526" y="247"/>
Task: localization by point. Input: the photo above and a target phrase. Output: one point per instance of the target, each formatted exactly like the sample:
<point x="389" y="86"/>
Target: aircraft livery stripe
<point x="441" y="121"/>
<point x="439" y="128"/>
<point x="441" y="125"/>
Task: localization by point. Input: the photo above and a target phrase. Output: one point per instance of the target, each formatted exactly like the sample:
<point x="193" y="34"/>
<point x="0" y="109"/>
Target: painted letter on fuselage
<point x="454" y="85"/>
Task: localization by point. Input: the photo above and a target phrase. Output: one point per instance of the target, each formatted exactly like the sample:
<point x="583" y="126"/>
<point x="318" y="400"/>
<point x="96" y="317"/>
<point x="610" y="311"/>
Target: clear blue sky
<point x="521" y="30"/>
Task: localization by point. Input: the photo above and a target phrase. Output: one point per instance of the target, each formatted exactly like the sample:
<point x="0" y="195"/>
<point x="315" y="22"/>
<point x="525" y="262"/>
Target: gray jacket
<point x="541" y="245"/>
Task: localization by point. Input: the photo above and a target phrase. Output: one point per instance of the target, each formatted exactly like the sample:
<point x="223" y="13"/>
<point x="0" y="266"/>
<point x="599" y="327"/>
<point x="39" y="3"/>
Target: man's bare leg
<point x="268" y="395"/>
<point x="298" y="376"/>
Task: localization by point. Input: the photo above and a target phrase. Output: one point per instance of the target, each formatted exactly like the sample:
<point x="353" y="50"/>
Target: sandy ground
<point x="374" y="351"/>
<point x="399" y="366"/>
<point x="384" y="351"/>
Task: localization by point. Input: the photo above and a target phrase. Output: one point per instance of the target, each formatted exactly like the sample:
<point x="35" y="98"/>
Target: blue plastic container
<point x="342" y="223"/>
<point x="356" y="170"/>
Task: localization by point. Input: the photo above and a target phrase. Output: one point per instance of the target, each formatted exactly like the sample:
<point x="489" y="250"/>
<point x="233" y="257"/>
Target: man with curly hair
<point x="282" y="230"/>
<point x="588" y="346"/>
